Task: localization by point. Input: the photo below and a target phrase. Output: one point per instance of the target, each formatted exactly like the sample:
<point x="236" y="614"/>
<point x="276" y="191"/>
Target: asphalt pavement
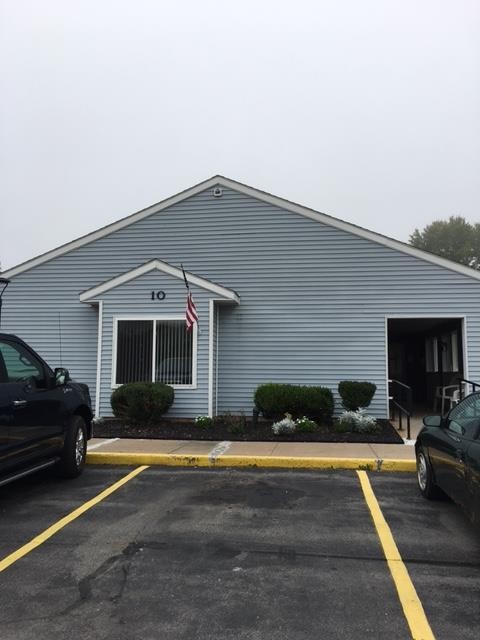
<point x="231" y="554"/>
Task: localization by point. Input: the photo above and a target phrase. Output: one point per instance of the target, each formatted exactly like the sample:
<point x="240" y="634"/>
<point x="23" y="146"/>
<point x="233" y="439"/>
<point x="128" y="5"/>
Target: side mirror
<point x="61" y="376"/>
<point x="432" y="421"/>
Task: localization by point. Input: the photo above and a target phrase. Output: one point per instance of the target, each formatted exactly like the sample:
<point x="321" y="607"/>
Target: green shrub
<point x="356" y="394"/>
<point x="316" y="402"/>
<point x="204" y="422"/>
<point x="342" y="426"/>
<point x="141" y="403"/>
<point x="306" y="425"/>
<point x="275" y="400"/>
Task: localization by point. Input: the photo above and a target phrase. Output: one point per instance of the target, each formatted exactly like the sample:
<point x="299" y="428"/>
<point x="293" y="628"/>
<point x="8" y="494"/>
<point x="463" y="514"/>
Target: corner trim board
<point x="98" y="383"/>
<point x="211" y="322"/>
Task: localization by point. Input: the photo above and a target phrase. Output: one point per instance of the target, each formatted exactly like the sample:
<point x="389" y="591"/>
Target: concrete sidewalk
<point x="299" y="455"/>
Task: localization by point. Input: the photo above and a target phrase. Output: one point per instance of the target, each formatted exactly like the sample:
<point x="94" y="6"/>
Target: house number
<point x="158" y="295"/>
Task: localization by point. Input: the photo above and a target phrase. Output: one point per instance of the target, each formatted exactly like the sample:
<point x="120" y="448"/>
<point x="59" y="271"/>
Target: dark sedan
<point x="448" y="455"/>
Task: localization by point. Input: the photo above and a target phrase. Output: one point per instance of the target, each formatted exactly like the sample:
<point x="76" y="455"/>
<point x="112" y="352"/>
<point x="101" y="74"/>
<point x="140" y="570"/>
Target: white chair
<point x="449" y="395"/>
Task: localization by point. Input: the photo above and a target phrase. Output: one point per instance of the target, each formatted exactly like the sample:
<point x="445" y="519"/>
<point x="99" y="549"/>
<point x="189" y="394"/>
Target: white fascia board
<point x="91" y="294"/>
<point x="259" y="195"/>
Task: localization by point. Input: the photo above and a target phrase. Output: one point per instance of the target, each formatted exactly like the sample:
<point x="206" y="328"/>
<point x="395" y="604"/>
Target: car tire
<point x="74" y="451"/>
<point x="425" y="477"/>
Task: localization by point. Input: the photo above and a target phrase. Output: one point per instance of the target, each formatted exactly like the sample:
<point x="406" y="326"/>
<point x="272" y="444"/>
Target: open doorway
<point x="425" y="354"/>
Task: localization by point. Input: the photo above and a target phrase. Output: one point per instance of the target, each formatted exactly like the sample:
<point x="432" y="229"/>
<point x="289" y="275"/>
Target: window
<point x="20" y="364"/>
<point x="448" y="344"/>
<point x="134" y="351"/>
<point x="155" y="350"/>
<point x="464" y="419"/>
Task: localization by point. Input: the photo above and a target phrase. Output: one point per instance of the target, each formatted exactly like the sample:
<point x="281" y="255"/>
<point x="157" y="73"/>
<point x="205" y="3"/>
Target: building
<point x="283" y="293"/>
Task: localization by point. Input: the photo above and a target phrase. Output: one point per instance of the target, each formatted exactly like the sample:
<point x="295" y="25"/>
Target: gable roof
<point x="92" y="294"/>
<point x="263" y="196"/>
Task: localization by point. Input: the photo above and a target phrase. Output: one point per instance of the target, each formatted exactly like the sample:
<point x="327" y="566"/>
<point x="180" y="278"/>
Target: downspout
<point x="99" y="358"/>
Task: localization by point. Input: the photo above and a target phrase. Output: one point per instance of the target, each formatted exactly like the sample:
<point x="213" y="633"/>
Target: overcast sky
<point x="368" y="111"/>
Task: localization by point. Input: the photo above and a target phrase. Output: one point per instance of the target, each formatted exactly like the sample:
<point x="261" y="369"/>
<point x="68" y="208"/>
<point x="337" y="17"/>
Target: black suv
<point x="45" y="417"/>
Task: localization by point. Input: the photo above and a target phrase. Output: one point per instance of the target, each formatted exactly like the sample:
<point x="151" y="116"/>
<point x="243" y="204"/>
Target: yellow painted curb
<point x="278" y="462"/>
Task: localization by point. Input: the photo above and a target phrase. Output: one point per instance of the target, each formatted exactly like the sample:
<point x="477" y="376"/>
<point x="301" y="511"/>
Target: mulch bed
<point x="170" y="429"/>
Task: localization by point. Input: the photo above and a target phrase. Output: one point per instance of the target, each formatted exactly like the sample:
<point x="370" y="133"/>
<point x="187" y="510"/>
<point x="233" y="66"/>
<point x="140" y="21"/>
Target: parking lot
<point x="184" y="553"/>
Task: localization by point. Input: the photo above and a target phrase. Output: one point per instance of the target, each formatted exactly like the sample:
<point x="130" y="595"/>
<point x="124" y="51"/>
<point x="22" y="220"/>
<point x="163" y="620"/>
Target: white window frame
<point x="154" y="318"/>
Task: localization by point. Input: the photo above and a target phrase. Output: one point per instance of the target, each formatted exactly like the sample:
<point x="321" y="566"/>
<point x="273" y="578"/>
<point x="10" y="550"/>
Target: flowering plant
<point x="358" y="421"/>
<point x="203" y="421"/>
<point x="305" y="424"/>
<point x="287" y="425"/>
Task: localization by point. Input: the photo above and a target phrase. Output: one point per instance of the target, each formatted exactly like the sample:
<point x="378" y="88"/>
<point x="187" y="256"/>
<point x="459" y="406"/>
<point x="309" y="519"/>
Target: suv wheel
<point x="75" y="448"/>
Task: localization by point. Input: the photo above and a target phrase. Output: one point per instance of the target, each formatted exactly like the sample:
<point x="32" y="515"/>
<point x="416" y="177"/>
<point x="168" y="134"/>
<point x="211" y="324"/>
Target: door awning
<point x="220" y="292"/>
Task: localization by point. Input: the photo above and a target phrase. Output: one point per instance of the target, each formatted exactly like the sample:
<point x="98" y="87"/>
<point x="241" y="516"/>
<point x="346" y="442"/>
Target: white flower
<point x="287" y="425"/>
<point x="358" y="420"/>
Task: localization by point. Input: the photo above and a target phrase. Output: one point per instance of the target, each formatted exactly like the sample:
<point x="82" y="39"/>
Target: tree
<point x="455" y="239"/>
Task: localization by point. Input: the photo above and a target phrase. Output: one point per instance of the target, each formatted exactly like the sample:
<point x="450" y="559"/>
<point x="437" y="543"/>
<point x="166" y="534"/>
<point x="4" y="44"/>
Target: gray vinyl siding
<point x="313" y="298"/>
<point x="45" y="312"/>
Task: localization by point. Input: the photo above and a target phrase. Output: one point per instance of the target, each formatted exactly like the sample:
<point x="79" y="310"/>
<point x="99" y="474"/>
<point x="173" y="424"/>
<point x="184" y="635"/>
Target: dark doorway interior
<point x="425" y="353"/>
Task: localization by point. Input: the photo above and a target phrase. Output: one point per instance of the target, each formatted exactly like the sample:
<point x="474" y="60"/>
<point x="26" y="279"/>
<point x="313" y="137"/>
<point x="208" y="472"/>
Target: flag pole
<point x="185" y="278"/>
<point x="189" y="299"/>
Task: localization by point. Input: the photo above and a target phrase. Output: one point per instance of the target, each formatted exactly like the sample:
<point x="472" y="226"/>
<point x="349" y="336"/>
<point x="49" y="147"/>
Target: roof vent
<point x="217" y="192"/>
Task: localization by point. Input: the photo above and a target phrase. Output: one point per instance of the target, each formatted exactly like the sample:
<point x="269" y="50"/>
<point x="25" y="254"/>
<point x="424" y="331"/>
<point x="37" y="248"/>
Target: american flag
<point x="191" y="315"/>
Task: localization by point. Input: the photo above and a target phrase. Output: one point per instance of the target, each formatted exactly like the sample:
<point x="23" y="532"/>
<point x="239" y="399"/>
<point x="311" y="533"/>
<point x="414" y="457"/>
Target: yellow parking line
<point x="412" y="607"/>
<point x="54" y="528"/>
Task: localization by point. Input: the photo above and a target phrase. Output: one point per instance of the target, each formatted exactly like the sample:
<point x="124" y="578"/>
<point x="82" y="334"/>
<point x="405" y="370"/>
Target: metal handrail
<point x="460" y="386"/>
<point x="396" y="402"/>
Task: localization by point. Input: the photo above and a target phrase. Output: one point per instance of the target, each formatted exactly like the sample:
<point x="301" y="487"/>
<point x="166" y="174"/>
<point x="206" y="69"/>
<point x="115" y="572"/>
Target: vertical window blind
<point x="173" y="354"/>
<point x="431" y="354"/>
<point x="154" y="351"/>
<point x="450" y="351"/>
<point x="448" y="346"/>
